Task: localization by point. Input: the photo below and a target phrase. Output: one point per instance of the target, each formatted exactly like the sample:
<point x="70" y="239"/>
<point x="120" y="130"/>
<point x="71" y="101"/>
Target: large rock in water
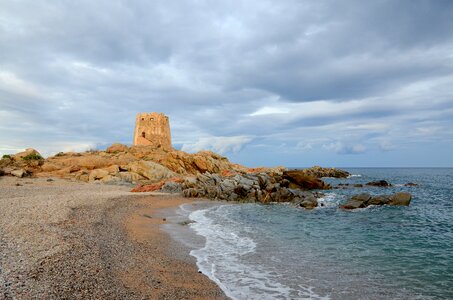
<point x="402" y="198"/>
<point x="357" y="201"/>
<point x="365" y="200"/>
<point x="320" y="172"/>
<point x="299" y="179"/>
<point x="379" y="183"/>
<point x="262" y="188"/>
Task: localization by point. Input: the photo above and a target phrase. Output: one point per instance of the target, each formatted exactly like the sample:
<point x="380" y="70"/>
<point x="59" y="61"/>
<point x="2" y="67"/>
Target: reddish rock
<point x="299" y="179"/>
<point x="115" y="148"/>
<point x="147" y="188"/>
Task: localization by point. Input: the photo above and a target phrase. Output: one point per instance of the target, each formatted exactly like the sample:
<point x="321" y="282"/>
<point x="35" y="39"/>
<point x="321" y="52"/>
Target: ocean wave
<point x="225" y="259"/>
<point x="329" y="200"/>
<point x="354" y="175"/>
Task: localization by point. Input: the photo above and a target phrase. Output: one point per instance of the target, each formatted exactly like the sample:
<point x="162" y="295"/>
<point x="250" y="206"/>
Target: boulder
<point x="115" y="148"/>
<point x="365" y="200"/>
<point x="320" y="172"/>
<point x="309" y="203"/>
<point x="171" y="187"/>
<point x="357" y="201"/>
<point x="305" y="199"/>
<point x="49" y="167"/>
<point x="379" y="200"/>
<point x="401" y="198"/>
<point x="98" y="174"/>
<point x="299" y="179"/>
<point x="129" y="176"/>
<point x="27" y="153"/>
<point x="379" y="183"/>
<point x="110" y="179"/>
<point x="283" y="195"/>
<point x="190" y="193"/>
<point x="82" y="176"/>
<point x="19" y="173"/>
<point x="150" y="170"/>
<point x="113" y="169"/>
<point x="411" y="184"/>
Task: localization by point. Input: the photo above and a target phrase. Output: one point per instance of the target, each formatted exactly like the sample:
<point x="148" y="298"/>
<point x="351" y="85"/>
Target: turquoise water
<point x="281" y="252"/>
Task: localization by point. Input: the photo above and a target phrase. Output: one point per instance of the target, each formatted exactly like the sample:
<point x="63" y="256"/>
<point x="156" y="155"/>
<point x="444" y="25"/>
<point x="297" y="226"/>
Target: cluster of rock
<point x="273" y="186"/>
<point x="364" y="200"/>
<point x="203" y="174"/>
<point x="377" y="183"/>
<point x="119" y="164"/>
<point x="320" y="172"/>
<point x="21" y="164"/>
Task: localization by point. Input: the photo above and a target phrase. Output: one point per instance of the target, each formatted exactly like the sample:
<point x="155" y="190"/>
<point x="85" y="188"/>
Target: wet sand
<point x="71" y="240"/>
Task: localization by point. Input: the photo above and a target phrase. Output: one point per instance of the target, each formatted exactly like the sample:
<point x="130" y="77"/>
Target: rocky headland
<point x="204" y="174"/>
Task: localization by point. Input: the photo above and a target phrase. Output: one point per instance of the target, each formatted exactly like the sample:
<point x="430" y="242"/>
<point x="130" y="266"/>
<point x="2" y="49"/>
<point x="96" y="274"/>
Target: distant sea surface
<point x="279" y="251"/>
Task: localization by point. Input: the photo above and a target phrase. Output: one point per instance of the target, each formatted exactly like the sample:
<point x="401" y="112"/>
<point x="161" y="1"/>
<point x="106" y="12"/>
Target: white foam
<point x="329" y="200"/>
<point x="224" y="259"/>
<point x="354" y="175"/>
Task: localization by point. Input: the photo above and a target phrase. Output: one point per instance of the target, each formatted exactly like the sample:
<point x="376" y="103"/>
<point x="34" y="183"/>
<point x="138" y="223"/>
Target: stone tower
<point x="152" y="129"/>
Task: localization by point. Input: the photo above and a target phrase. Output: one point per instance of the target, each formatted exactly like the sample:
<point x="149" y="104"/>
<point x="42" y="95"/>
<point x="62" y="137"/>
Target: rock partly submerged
<point x="264" y="187"/>
<point x="364" y="200"/>
<point x="379" y="183"/>
<point x="203" y="174"/>
<point x="320" y="172"/>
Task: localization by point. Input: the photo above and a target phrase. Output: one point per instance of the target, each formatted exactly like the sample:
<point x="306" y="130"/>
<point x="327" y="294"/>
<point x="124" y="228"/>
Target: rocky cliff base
<point x="201" y="175"/>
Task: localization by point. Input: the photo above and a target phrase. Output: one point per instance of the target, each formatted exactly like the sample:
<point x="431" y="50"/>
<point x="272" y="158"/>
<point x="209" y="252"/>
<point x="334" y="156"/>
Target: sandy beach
<point x="70" y="240"/>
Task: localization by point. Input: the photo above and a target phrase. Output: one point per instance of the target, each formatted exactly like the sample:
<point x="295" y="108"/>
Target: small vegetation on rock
<point x="32" y="156"/>
<point x="6" y="156"/>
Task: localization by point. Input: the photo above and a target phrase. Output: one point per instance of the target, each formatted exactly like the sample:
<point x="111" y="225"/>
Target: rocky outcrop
<point x="379" y="183"/>
<point x="261" y="187"/>
<point x="150" y="170"/>
<point x="22" y="164"/>
<point x="300" y="179"/>
<point x="364" y="200"/>
<point x="402" y="198"/>
<point x="115" y="148"/>
<point x="76" y="165"/>
<point x="320" y="172"/>
<point x="28" y="153"/>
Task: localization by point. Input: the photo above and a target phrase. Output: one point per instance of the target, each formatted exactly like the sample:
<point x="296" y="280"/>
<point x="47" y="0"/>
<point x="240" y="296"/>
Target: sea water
<point x="279" y="251"/>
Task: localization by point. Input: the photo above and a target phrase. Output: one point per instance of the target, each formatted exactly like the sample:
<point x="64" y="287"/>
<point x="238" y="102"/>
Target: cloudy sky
<point x="295" y="83"/>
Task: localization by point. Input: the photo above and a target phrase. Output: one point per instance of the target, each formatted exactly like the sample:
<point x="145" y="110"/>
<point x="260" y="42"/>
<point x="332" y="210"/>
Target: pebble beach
<point x="62" y="239"/>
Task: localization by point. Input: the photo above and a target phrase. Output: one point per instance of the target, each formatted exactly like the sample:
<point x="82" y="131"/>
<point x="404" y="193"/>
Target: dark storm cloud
<point x="345" y="77"/>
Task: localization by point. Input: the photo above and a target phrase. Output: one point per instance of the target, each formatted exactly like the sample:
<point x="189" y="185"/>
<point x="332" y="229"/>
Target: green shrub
<point x="32" y="156"/>
<point x="5" y="156"/>
<point x="59" y="154"/>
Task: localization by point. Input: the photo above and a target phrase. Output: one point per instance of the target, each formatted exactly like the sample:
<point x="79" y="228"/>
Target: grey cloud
<point x="78" y="72"/>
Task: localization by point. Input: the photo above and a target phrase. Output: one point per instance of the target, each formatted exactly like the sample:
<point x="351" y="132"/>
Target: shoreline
<point x="75" y="240"/>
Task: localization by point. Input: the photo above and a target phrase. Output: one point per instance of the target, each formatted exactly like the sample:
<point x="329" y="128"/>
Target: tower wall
<point x="152" y="129"/>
